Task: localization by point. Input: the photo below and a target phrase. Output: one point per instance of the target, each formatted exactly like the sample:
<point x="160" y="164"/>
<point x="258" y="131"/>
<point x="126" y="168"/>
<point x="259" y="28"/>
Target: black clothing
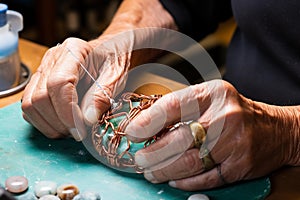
<point x="263" y="60"/>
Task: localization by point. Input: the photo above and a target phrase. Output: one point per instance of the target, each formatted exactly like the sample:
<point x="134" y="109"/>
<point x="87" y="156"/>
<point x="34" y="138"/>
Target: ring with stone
<point x="198" y="133"/>
<point x="207" y="161"/>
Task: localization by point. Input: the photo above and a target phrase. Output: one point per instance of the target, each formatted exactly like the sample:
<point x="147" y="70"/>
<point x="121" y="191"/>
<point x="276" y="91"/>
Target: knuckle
<point x="78" y="45"/>
<point x="60" y="79"/>
<point x="172" y="102"/>
<point x="191" y="161"/>
<point x="71" y="40"/>
<point x="28" y="111"/>
<point x="61" y="84"/>
<point x="49" y="52"/>
<point x="38" y="98"/>
<point x="170" y="106"/>
<point x="164" y="175"/>
<point x="26" y="106"/>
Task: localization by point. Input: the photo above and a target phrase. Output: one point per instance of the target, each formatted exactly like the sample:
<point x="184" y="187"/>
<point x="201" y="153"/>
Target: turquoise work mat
<point x="24" y="151"/>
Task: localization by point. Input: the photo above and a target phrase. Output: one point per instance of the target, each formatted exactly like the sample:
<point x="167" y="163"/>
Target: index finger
<point x="203" y="102"/>
<point x="62" y="83"/>
<point x="181" y="105"/>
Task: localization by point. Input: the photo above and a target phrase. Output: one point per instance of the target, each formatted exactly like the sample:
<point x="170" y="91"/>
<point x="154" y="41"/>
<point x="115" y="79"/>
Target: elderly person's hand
<point x="61" y="98"/>
<point x="246" y="139"/>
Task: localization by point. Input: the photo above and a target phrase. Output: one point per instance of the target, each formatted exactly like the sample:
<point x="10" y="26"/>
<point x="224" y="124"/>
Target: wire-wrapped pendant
<point x="109" y="137"/>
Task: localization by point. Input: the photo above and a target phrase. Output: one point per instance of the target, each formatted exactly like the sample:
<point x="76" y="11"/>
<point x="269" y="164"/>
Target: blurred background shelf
<point x="49" y="22"/>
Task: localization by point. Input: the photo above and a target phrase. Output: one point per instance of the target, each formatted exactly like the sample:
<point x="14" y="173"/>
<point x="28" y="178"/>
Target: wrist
<point x="282" y="125"/>
<point x="291" y="120"/>
<point x="133" y="14"/>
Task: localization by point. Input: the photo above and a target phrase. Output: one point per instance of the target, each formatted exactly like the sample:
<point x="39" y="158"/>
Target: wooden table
<point x="285" y="182"/>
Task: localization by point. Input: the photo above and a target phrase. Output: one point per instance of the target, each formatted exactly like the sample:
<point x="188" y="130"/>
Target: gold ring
<point x="207" y="161"/>
<point x="198" y="133"/>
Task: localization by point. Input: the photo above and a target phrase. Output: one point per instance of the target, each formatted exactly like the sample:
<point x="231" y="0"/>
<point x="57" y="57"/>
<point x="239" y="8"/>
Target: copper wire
<point x="110" y="150"/>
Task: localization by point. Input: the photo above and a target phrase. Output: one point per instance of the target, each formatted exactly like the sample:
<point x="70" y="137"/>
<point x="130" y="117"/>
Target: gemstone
<point x="198" y="197"/>
<point x="42" y="188"/>
<point x="198" y="133"/>
<point x="87" y="196"/>
<point x="67" y="191"/>
<point x="16" y="184"/>
<point x="49" y="197"/>
<point x="114" y="149"/>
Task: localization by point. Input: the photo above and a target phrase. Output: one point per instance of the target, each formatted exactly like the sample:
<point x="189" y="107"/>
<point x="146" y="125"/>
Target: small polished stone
<point x="87" y="196"/>
<point x="16" y="184"/>
<point x="49" y="197"/>
<point x="67" y="191"/>
<point x="198" y="197"/>
<point x="42" y="188"/>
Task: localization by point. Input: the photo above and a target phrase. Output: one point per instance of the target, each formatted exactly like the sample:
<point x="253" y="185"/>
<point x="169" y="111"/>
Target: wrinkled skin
<point x="42" y="103"/>
<point x="51" y="99"/>
<point x="247" y="139"/>
<point x="251" y="142"/>
<point x="51" y="95"/>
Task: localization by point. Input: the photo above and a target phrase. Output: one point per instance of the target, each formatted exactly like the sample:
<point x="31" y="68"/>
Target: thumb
<point x="95" y="103"/>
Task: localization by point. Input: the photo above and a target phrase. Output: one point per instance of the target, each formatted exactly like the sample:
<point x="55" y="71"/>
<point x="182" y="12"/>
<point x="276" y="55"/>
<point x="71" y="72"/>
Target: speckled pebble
<point x="16" y="184"/>
<point x="49" y="197"/>
<point x="42" y="188"/>
<point x="88" y="196"/>
<point x="198" y="197"/>
<point x="67" y="191"/>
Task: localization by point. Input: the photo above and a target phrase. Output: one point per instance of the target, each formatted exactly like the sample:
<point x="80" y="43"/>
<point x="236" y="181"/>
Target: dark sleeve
<point x="197" y="18"/>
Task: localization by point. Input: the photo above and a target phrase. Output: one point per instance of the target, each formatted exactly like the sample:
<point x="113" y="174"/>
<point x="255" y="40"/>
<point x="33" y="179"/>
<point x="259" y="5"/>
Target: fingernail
<point x="198" y="197"/>
<point x="76" y="134"/>
<point x="91" y="115"/>
<point x="149" y="177"/>
<point x="172" y="184"/>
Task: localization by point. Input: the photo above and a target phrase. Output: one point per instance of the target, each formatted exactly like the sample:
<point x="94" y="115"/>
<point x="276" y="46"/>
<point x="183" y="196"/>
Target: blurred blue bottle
<point x="11" y="23"/>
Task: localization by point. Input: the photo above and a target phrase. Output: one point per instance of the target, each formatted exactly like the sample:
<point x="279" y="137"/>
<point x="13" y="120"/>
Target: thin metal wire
<point x="111" y="100"/>
<point x="109" y="148"/>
